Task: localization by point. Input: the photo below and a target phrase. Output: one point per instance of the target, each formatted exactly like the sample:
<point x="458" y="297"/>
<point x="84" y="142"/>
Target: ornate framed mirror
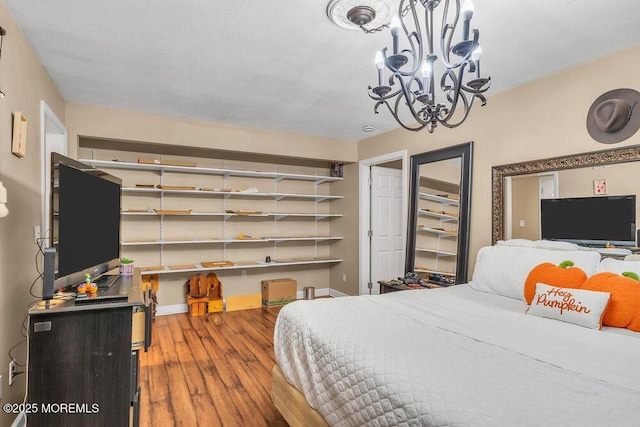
<point x="439" y="212"/>
<point x="502" y="174"/>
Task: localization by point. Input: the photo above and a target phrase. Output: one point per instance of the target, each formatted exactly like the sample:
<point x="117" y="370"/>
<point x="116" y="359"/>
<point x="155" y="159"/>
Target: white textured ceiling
<point x="282" y="64"/>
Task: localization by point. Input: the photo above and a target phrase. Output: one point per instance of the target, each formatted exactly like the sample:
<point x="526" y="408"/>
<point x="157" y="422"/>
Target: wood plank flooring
<point x="211" y="370"/>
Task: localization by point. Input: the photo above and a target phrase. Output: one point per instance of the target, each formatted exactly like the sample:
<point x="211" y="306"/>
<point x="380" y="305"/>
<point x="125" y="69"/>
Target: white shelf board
<point x="440" y="233"/>
<point x="443" y="217"/>
<point x="277" y="216"/>
<point x="258" y="264"/>
<point x="228" y="194"/>
<point x="436" y="252"/>
<point x="228" y="241"/>
<point x="318" y="216"/>
<point x="439" y="199"/>
<point x="209" y="171"/>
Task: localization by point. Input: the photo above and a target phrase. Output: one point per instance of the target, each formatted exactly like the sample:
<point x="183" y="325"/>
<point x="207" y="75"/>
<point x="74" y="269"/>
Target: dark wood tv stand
<point x="83" y="359"/>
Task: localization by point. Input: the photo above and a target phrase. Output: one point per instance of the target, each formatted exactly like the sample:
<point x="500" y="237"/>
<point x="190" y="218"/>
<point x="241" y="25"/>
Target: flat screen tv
<point x="590" y="221"/>
<point x="85" y="221"/>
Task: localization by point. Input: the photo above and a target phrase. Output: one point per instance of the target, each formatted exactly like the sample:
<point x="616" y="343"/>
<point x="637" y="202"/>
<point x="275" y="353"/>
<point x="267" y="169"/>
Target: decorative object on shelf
<point x="126" y="266"/>
<point x="172" y="212"/>
<point x="336" y="169"/>
<point x="19" y="142"/>
<point x="415" y="86"/>
<point x="611" y="117"/>
<point x="215" y="264"/>
<point x="600" y="186"/>
<point x="167" y="162"/>
<point x="3" y="33"/>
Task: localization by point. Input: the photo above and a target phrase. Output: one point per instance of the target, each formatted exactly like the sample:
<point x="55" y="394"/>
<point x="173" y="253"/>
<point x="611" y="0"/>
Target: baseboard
<point x="319" y="292"/>
<point x="163" y="310"/>
<point x="337" y="294"/>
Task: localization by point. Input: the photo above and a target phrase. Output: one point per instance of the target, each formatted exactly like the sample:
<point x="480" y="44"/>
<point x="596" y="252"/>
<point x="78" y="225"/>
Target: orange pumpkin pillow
<point x="564" y="275"/>
<point x="624" y="305"/>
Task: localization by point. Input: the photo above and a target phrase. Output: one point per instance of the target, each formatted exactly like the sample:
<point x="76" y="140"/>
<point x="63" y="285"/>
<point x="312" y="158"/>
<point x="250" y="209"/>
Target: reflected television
<point x="590" y="221"/>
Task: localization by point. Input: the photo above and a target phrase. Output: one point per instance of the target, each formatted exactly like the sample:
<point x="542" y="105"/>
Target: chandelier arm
<point x="382" y="98"/>
<point x="477" y="91"/>
<point x="445" y="30"/>
<point x="467" y="109"/>
<point x="455" y="89"/>
<point x="410" y="99"/>
<point x="395" y="116"/>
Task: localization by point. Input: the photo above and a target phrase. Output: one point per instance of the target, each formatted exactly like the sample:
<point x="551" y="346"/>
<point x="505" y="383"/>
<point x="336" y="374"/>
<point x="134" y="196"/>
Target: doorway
<point x="383" y="219"/>
<point x="53" y="138"/>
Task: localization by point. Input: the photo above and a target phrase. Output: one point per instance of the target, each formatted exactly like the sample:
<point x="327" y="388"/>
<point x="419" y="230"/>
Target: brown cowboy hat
<point x="613" y="116"/>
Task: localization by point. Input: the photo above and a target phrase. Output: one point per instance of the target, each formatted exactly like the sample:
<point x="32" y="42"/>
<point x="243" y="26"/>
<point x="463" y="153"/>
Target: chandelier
<point x="412" y="64"/>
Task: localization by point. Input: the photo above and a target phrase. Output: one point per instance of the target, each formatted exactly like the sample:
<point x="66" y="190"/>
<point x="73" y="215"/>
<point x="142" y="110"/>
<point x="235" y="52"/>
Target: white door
<point x="387" y="243"/>
<point x="54" y="139"/>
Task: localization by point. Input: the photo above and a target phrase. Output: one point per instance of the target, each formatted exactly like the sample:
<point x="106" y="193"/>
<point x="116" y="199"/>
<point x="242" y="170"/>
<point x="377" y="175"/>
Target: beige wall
<point x="542" y="119"/>
<point x="25" y="83"/>
<point x="100" y="122"/>
<point x="525" y="202"/>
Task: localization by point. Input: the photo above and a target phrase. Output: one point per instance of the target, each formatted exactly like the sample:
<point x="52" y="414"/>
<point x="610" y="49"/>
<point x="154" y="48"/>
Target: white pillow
<point x="577" y="306"/>
<point x="502" y="270"/>
<point x="524" y="243"/>
<point x="618" y="266"/>
<point x="540" y="244"/>
<point x="550" y="244"/>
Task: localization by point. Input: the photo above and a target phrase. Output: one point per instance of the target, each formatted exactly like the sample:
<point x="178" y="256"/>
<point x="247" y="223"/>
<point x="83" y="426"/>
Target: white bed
<point x="455" y="356"/>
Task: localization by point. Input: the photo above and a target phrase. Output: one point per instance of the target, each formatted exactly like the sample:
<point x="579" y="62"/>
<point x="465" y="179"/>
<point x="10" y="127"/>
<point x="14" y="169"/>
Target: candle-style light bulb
<point x="475" y="55"/>
<point x="395" y="26"/>
<point x="379" y="66"/>
<point x="466" y="13"/>
<point x="379" y="61"/>
<point x="426" y="69"/>
<point x="426" y="74"/>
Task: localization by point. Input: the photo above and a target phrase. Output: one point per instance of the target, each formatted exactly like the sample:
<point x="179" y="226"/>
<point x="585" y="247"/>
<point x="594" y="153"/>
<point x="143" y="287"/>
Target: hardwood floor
<point x="210" y="370"/>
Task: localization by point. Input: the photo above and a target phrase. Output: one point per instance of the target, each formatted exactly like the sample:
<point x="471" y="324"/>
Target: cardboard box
<point x="279" y="291"/>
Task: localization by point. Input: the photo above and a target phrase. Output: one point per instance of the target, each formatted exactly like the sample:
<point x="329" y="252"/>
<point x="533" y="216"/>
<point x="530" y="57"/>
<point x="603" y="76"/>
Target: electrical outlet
<point x="244" y="274"/>
<point x="37" y="234"/>
<point x="344" y="277"/>
<point x="12" y="371"/>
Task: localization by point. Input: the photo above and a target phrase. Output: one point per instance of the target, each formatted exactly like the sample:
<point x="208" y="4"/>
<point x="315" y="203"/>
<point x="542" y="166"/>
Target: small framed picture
<point x="599" y="186"/>
<point x="19" y="142"/>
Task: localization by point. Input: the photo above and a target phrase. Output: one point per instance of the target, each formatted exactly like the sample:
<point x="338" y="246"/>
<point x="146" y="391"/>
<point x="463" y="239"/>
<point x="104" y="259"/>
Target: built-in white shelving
<point x="231" y="245"/>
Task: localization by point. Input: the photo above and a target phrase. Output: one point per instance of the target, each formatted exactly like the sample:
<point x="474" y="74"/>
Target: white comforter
<point x="455" y="357"/>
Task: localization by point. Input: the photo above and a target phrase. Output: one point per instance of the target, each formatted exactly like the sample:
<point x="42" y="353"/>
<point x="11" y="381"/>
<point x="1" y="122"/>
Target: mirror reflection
<point x="601" y="200"/>
<point x="439" y="212"/>
<point x="518" y="188"/>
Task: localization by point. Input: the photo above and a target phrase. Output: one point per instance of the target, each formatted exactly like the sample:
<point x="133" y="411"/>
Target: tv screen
<point x="590" y="220"/>
<point x="85" y="220"/>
